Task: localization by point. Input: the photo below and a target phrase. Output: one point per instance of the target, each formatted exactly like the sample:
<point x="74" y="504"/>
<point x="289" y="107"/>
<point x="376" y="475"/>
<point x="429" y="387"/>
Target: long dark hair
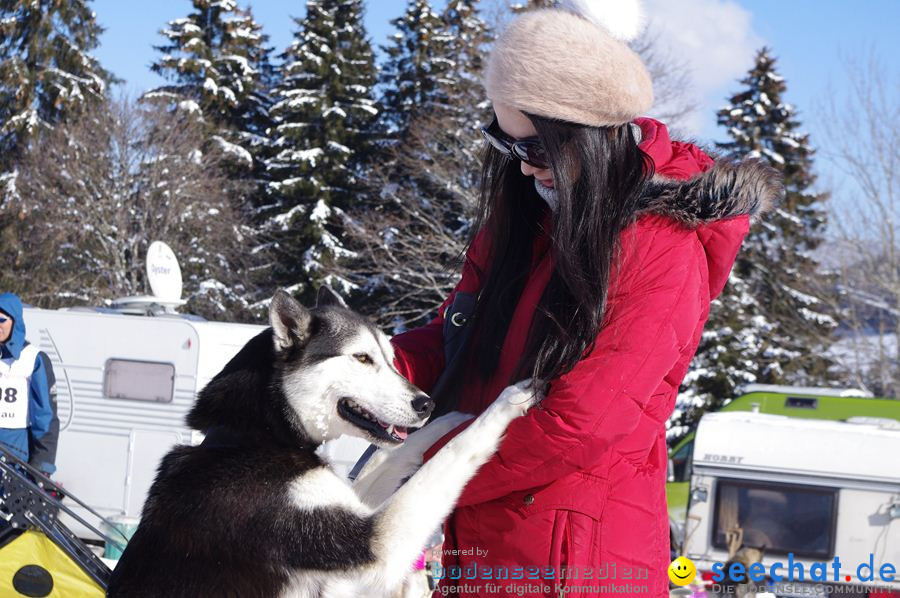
<point x="598" y="173"/>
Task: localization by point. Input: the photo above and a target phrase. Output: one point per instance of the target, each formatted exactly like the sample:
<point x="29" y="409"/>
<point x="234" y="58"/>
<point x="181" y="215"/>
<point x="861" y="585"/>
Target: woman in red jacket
<point x="600" y="245"/>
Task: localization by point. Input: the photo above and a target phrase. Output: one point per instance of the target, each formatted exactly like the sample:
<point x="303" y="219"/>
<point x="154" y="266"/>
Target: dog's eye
<point x="363" y="358"/>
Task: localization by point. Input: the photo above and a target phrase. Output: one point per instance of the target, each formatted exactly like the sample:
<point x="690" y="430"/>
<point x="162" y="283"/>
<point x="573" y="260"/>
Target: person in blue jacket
<point x="26" y="410"/>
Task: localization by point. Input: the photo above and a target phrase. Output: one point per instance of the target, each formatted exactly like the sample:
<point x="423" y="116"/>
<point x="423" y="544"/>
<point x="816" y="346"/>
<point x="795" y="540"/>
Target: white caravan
<point x="817" y="489"/>
<point x="126" y="378"/>
<point x="124" y="386"/>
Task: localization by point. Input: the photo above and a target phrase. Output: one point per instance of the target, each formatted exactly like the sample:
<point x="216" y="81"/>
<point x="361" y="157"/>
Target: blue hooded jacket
<point x="40" y="410"/>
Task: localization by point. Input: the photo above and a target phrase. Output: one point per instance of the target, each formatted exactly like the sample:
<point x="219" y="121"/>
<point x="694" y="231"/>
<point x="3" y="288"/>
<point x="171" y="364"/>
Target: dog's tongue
<point x="399" y="431"/>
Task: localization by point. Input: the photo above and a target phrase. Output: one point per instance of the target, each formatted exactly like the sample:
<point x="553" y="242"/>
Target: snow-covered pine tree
<point x="416" y="67"/>
<point x="782" y="270"/>
<point x="187" y="62"/>
<point x="215" y="59"/>
<point x="47" y="73"/>
<point x="424" y="189"/>
<point x="469" y="37"/>
<point x="433" y="68"/>
<point x="324" y="112"/>
<point x="771" y="324"/>
<point x="246" y="52"/>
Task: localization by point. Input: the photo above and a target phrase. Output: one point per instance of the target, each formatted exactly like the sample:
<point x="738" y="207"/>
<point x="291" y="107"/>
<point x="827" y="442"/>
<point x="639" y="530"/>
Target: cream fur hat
<point x="572" y="64"/>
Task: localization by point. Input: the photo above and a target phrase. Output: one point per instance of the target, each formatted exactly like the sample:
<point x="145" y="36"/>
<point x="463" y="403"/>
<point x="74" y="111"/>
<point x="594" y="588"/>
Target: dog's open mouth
<point x="361" y="418"/>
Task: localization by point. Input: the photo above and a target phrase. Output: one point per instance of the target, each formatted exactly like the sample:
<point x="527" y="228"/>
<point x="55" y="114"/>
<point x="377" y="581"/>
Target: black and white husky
<point x="253" y="511"/>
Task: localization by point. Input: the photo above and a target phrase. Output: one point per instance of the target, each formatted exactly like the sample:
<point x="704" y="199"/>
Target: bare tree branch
<point x="863" y="138"/>
<point x="93" y="194"/>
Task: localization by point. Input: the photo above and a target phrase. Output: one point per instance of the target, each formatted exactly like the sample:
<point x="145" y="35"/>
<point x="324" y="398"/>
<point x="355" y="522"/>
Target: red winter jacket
<point x="579" y="482"/>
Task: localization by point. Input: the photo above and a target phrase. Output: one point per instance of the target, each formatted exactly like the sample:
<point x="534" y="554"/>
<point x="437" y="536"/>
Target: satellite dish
<point x="163" y="272"/>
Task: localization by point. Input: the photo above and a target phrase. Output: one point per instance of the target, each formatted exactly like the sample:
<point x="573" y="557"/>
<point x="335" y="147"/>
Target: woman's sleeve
<point x="419" y="353"/>
<point x="652" y="317"/>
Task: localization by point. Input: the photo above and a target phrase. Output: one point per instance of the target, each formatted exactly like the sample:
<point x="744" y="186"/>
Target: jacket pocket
<point x="577" y="501"/>
<point x="579" y="491"/>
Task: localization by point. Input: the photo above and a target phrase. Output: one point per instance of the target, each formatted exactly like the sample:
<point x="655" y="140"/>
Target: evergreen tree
<point x="777" y="258"/>
<point x="434" y="68"/>
<point x="469" y="36"/>
<point x="324" y="112"/>
<point x="247" y="53"/>
<point x="424" y="190"/>
<point x="47" y="73"/>
<point x="771" y="325"/>
<point x="415" y="69"/>
<point x="215" y="59"/>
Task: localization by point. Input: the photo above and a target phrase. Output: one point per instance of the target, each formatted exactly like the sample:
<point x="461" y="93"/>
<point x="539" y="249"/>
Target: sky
<point x="717" y="39"/>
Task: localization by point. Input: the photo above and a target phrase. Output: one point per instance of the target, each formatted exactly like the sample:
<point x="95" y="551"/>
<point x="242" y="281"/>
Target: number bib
<point x="13" y="402"/>
<point x="15" y="380"/>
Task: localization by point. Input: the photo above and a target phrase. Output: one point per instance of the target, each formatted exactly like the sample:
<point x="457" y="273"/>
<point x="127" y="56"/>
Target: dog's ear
<point x="327" y="296"/>
<point x="290" y="321"/>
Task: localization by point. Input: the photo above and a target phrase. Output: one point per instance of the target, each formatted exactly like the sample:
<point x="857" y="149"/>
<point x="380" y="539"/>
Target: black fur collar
<point x="729" y="188"/>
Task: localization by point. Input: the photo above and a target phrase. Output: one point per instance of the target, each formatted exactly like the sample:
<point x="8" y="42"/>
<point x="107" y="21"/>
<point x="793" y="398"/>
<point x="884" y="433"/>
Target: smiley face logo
<point x="682" y="571"/>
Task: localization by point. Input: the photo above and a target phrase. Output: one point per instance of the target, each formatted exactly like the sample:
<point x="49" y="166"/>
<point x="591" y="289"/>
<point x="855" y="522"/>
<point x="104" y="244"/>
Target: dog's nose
<point x="423" y="405"/>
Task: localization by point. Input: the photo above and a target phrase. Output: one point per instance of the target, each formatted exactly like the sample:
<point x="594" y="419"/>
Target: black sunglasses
<point x="527" y="150"/>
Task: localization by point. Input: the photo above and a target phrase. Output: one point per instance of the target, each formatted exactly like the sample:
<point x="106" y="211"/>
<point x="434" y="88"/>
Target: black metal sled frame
<point x="26" y="505"/>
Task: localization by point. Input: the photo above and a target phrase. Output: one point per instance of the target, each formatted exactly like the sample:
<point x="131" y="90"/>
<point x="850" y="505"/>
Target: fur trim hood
<point x="727" y="189"/>
<point x="694" y="189"/>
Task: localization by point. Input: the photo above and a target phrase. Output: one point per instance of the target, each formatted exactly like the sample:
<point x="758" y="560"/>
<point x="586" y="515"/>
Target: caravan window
<point x="801" y="402"/>
<point x="780" y="517"/>
<point x="139" y="380"/>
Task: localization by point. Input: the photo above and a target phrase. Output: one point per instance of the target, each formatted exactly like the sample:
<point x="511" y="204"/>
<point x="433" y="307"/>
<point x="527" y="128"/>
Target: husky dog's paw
<point x="374" y="484"/>
<point x="488" y="429"/>
<point x="522" y="395"/>
<point x="516" y="399"/>
<point x="422" y="439"/>
<point x="513" y="402"/>
<point x="479" y="441"/>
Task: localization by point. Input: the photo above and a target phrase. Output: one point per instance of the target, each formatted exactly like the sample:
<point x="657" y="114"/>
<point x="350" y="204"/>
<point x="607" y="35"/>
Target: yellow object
<point x="682" y="571"/>
<point x="37" y="550"/>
